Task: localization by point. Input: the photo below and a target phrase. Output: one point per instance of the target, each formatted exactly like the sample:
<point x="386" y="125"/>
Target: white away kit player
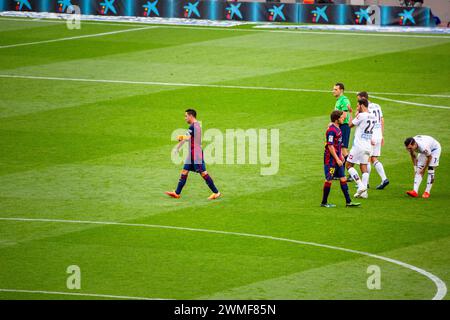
<point x="428" y="152"/>
<point x="361" y="149"/>
<point x="377" y="140"/>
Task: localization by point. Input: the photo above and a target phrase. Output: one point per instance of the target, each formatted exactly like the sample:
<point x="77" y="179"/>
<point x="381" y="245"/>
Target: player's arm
<point x="382" y="131"/>
<point x="413" y="158"/>
<point x="349" y="107"/>
<point x="354" y="122"/>
<point x="344" y="113"/>
<point x="182" y="140"/>
<point x="350" y="110"/>
<point x="186" y="136"/>
<point x="334" y="154"/>
<point x="345" y="110"/>
<point x="179" y="145"/>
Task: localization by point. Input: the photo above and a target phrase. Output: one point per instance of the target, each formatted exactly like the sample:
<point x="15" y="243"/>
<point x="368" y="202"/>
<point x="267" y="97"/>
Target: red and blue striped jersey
<point x="195" y="143"/>
<point x="333" y="137"/>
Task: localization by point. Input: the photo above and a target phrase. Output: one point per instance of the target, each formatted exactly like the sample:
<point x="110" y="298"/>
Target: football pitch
<point x="86" y="119"/>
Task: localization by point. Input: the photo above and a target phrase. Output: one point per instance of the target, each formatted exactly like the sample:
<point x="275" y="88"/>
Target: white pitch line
<point x="440" y="285"/>
<point x="177" y="84"/>
<point x="361" y="33"/>
<point x="77" y="37"/>
<point x="410" y="94"/>
<point x="411" y="103"/>
<point x="78" y="294"/>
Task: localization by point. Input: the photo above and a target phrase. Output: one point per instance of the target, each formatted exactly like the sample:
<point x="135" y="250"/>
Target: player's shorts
<point x="345" y="134"/>
<point x="196" y="167"/>
<point x="358" y="156"/>
<point x="376" y="149"/>
<point x="435" y="155"/>
<point x="333" y="171"/>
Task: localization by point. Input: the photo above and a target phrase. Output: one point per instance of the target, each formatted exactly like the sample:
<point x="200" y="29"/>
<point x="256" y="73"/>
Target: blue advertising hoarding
<point x="240" y="11"/>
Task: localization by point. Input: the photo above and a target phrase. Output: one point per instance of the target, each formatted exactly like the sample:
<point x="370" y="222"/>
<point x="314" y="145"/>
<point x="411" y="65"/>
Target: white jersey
<point x="364" y="123"/>
<point x="375" y="110"/>
<point x="427" y="145"/>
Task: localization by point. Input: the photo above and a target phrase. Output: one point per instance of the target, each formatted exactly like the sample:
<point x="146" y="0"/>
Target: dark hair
<point x="340" y="85"/>
<point x="335" y="115"/>
<point x="192" y="112"/>
<point x="363" y="94"/>
<point x="363" y="102"/>
<point x="408" y="141"/>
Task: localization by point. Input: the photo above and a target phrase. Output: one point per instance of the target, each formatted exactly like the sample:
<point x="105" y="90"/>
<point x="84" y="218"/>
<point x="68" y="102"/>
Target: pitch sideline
<point x="76" y="37"/>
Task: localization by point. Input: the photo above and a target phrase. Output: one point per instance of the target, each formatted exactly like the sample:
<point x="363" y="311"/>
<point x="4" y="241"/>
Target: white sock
<point x="365" y="179"/>
<point x="417" y="182"/>
<point x="354" y="174"/>
<point x="430" y="180"/>
<point x="380" y="169"/>
<point x="369" y="169"/>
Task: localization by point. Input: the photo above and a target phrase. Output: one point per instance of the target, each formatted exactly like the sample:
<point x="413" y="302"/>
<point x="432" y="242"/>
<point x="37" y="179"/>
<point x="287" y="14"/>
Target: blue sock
<point x="326" y="191"/>
<point x="181" y="183"/>
<point x="344" y="188"/>
<point x="210" y="183"/>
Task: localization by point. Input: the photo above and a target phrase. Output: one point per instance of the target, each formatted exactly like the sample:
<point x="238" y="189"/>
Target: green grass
<point x="101" y="152"/>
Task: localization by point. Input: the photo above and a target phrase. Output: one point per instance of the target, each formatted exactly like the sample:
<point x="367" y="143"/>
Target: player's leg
<point x="201" y="168"/>
<point x="344" y="188"/>
<point x="430" y="180"/>
<point x="369" y="164"/>
<point x="340" y="173"/>
<point x="380" y="170"/>
<point x="376" y="153"/>
<point x="326" y="192"/>
<point x="360" y="157"/>
<point x="421" y="161"/>
<point x="353" y="173"/>
<point x="431" y="170"/>
<point x="345" y="144"/>
<point x="364" y="170"/>
<point x="329" y="175"/>
<point x="181" y="183"/>
<point x="209" y="181"/>
<point x="417" y="181"/>
<point x="364" y="161"/>
<point x="420" y="167"/>
<point x="362" y="192"/>
<point x="344" y="153"/>
<point x="351" y="160"/>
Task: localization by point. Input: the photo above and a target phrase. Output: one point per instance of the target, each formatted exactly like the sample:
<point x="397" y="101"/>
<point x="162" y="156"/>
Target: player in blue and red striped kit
<point x="334" y="161"/>
<point x="195" y="161"/>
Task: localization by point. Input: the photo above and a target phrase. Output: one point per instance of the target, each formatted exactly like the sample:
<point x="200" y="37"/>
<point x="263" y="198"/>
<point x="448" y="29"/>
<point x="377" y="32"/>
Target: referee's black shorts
<point x="345" y="135"/>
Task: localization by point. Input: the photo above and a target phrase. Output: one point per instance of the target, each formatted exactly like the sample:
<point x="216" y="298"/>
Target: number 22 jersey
<point x="364" y="124"/>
